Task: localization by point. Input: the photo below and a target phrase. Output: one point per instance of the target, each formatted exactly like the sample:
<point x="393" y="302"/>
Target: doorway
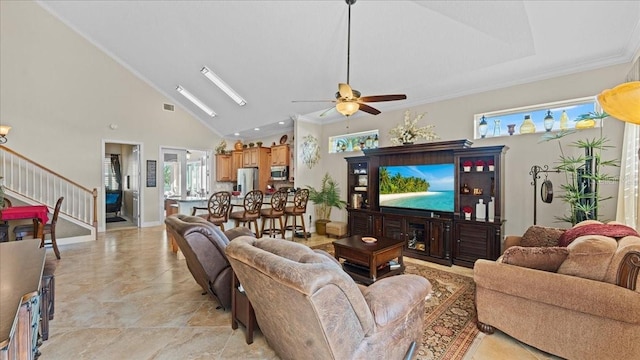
<point x="121" y="184"/>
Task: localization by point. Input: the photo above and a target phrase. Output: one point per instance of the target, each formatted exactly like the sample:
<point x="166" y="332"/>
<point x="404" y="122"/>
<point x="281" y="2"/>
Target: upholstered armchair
<point x="203" y="246"/>
<point x="307" y="307"/>
<point x="572" y="293"/>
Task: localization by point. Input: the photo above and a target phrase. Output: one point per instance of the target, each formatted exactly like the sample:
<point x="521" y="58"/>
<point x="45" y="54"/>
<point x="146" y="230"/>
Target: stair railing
<point x="32" y="182"/>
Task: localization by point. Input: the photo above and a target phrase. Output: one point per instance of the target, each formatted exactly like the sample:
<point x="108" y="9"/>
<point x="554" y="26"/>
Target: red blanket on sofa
<point x="616" y="231"/>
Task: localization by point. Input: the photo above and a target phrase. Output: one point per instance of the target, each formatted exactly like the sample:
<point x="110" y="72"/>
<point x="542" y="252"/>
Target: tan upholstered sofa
<point x="307" y="307"/>
<point x="202" y="244"/>
<point x="577" y="302"/>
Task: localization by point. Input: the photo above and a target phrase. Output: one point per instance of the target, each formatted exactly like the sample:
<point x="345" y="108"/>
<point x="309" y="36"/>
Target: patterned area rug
<point x="450" y="315"/>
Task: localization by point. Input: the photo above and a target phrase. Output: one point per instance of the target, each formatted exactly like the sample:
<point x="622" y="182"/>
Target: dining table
<point x="38" y="213"/>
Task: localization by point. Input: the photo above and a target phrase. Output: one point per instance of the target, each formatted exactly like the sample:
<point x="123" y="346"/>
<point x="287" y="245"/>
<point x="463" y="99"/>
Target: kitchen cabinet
<point x="280" y="155"/>
<point x="255" y="157"/>
<point x="236" y="163"/>
<point x="223" y="167"/>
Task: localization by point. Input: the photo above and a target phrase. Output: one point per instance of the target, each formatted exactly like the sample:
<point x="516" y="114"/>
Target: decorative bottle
<point x="491" y="209"/>
<point x="481" y="210"/>
<point x="375" y="142"/>
<point x="527" y="126"/>
<point x="564" y="120"/>
<point x="496" y="127"/>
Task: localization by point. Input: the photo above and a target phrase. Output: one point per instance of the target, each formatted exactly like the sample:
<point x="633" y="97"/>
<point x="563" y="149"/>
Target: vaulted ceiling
<point x="273" y="52"/>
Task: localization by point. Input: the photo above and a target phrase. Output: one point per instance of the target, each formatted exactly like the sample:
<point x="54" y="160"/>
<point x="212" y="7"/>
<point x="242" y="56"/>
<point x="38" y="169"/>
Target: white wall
<point x="454" y="120"/>
<point x="60" y="94"/>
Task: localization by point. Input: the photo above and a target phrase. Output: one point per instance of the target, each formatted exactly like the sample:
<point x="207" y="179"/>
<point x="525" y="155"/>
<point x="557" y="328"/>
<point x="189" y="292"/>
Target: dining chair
<point x="298" y="209"/>
<point x="21" y="231"/>
<point x="251" y="211"/>
<point x="217" y="209"/>
<point x="276" y="211"/>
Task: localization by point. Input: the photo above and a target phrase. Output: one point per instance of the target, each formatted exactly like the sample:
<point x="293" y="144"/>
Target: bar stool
<point x="299" y="208"/>
<point x="276" y="211"/>
<point x="217" y="209"/>
<point x="251" y="211"/>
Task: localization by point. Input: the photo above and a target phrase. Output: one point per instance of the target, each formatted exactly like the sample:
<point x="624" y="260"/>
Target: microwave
<point x="280" y="173"/>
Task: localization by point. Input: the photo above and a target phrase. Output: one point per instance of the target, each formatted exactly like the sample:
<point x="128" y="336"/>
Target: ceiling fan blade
<point x="326" y="112"/>
<point x="368" y="109"/>
<point x="378" y="98"/>
<point x="345" y="91"/>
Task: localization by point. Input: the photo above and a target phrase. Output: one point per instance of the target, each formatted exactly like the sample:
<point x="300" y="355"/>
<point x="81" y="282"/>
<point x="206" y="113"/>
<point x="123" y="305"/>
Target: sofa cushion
<point x="593" y="227"/>
<point x="537" y="235"/>
<point x="540" y="258"/>
<point x="625" y="245"/>
<point x="589" y="257"/>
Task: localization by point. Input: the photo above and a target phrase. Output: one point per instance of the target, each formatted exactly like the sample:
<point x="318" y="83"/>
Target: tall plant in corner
<point x="583" y="172"/>
<point x="326" y="197"/>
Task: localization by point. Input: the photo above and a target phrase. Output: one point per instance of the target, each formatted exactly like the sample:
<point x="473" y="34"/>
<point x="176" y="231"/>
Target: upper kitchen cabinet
<point x="223" y="167"/>
<point x="255" y="157"/>
<point x="280" y="155"/>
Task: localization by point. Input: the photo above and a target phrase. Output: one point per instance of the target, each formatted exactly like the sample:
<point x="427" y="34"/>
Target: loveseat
<point x="307" y="307"/>
<point x="578" y="302"/>
<point x="203" y="245"/>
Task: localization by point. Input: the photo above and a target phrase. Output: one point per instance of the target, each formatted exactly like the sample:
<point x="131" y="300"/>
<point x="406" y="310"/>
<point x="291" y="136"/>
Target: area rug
<point x="114" y="219"/>
<point x="450" y="315"/>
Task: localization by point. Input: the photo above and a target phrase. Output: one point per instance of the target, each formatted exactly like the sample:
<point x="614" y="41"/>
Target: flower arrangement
<point x="467" y="209"/>
<point x="466" y="166"/>
<point x="491" y="165"/>
<point x="409" y="131"/>
<point x="479" y="163"/>
<point x="220" y="149"/>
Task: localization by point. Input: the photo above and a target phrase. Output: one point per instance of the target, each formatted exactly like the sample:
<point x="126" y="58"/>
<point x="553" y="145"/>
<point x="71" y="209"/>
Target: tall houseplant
<point x="583" y="173"/>
<point x="325" y="198"/>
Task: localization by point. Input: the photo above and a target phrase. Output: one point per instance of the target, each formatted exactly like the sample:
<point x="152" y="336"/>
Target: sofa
<point x="203" y="246"/>
<point x="578" y="301"/>
<point x="307" y="307"/>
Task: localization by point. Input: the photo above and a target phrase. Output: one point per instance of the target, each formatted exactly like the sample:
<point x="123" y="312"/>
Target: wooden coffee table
<point x="368" y="262"/>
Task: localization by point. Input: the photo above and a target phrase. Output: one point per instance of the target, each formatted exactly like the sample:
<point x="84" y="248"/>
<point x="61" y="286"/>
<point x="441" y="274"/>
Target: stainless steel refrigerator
<point x="247" y="180"/>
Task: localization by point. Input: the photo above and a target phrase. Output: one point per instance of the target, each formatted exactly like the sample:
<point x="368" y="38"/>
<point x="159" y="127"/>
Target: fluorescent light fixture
<point x="196" y="101"/>
<point x="223" y="86"/>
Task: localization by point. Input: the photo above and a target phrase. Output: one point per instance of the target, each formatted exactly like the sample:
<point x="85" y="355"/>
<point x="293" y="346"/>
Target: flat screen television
<point x="417" y="187"/>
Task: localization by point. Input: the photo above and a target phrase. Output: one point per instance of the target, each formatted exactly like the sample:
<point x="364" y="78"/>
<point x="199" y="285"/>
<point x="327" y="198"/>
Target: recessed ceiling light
<point x="281" y="122"/>
<point x="196" y="101"/>
<point x="236" y="134"/>
<point x="223" y="86"/>
<point x="256" y="129"/>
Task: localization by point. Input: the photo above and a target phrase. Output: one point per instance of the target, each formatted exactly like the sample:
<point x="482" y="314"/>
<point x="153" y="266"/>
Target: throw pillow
<point x="613" y="230"/>
<point x="589" y="257"/>
<point x="537" y="235"/>
<point x="540" y="258"/>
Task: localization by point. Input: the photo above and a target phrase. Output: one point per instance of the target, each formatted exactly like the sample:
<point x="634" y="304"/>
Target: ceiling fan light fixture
<point x="223" y="86"/>
<point x="347" y="108"/>
<point x="196" y="101"/>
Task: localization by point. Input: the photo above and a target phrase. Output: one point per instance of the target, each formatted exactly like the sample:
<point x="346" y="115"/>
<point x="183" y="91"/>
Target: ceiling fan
<point x="349" y="101"/>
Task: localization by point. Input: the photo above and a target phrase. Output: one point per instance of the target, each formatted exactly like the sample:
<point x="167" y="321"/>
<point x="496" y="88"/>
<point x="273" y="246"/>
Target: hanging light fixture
<point x="4" y="131"/>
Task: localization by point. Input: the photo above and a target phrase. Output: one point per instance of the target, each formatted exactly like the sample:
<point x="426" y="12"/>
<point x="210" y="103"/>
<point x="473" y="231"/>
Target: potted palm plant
<point x="325" y="198"/>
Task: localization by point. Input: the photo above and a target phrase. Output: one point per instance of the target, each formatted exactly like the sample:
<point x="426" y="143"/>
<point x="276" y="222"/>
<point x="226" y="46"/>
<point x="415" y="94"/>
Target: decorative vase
<point x="479" y="168"/>
<point x="496" y="127"/>
<point x="483" y="127"/>
<point x="466" y="168"/>
<point x="511" y="129"/>
<point x="548" y="121"/>
<point x="259" y="143"/>
<point x="491" y="168"/>
<point x="527" y="126"/>
<point x="238" y="145"/>
<point x="467" y="216"/>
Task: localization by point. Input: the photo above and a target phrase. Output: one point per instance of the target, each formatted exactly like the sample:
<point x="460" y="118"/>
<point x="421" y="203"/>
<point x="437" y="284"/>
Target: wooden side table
<point x="241" y="310"/>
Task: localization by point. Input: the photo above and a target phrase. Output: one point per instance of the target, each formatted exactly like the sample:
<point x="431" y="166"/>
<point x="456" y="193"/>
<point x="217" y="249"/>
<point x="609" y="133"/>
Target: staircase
<point x="29" y="182"/>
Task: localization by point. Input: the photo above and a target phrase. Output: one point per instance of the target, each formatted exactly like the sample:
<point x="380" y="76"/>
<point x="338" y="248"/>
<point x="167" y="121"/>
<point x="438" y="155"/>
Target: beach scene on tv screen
<point x="424" y="187"/>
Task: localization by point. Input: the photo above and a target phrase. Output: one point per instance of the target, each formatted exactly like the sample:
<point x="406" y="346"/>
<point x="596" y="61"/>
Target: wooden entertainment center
<point x="438" y="236"/>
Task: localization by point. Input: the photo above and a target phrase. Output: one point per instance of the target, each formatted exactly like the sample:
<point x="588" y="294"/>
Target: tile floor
<point x="127" y="296"/>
